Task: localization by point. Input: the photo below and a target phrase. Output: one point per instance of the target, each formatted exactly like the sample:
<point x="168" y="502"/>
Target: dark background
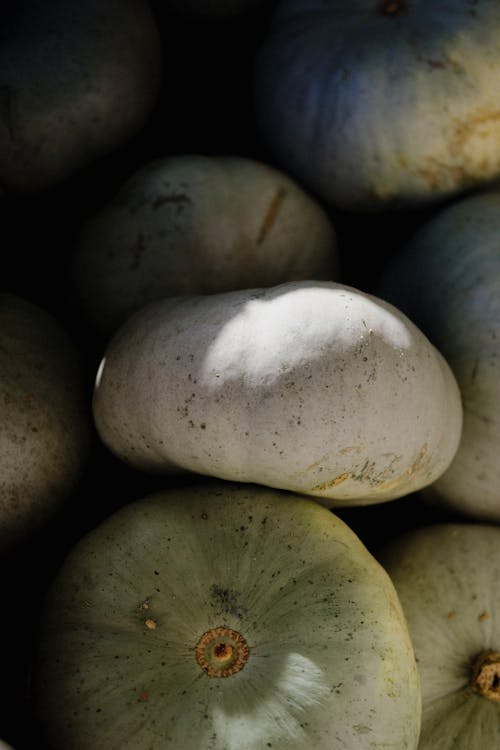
<point x="205" y="107"/>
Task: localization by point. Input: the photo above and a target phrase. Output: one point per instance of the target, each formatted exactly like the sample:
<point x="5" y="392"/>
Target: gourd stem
<point x="485" y="676"/>
<point x="392" y="7"/>
<point x="221" y="652"/>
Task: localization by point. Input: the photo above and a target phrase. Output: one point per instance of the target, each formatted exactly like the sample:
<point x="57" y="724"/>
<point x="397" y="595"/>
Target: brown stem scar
<point x="221" y="652"/>
<point x="485" y="676"/>
<point x="271" y="215"/>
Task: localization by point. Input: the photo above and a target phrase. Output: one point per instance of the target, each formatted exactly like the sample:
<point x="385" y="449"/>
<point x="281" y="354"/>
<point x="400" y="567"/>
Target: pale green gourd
<point x="77" y="80"/>
<point x="45" y="429"/>
<point x="225" y="617"/>
<point x="448" y="580"/>
<point x="314" y="387"/>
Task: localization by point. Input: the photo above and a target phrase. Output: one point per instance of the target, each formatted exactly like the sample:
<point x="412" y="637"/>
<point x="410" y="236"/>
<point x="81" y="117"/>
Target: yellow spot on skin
<point x="452" y="615"/>
<point x="150" y="623"/>
<point x="483" y="617"/>
<point x="483" y="125"/>
<point x="419" y="461"/>
<point x="332" y="483"/>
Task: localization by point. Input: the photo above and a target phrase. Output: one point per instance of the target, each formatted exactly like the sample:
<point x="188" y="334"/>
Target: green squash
<point x="225" y="617"/>
<point x="193" y="224"/>
<point x="77" y="80"/>
<point x="308" y="386"/>
<point x="447" y="280"/>
<point x="448" y="580"/>
<point x="45" y="429"/>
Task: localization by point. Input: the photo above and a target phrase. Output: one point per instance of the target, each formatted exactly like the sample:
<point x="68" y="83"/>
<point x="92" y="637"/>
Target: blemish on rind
<point x="138" y="249"/>
<point x="350" y="449"/>
<point x="378" y="479"/>
<point x="331" y="483"/>
<point x="178" y="199"/>
<point x="271" y="215"/>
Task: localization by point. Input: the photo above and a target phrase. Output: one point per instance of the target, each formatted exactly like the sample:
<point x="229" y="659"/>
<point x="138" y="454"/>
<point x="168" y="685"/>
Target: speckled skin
<point x="448" y="580"/>
<point x="193" y="224"/>
<point x="376" y="105"/>
<point x="314" y="387"/>
<point x="330" y="663"/>
<point x="448" y="281"/>
<point x="76" y="81"/>
<point x="44" y="425"/>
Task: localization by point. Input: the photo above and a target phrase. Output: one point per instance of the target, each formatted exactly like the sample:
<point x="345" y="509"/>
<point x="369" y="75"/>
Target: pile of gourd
<point x="250" y="375"/>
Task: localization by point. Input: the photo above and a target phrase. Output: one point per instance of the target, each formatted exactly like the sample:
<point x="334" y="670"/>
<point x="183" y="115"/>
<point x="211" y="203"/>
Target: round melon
<point x="448" y="580"/>
<point x="225" y="617"/>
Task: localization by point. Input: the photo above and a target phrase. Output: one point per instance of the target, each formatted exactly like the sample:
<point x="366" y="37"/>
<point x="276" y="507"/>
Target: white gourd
<point x="194" y="224"/>
<point x="376" y="104"/>
<point x="447" y="279"/>
<point x="314" y="387"/>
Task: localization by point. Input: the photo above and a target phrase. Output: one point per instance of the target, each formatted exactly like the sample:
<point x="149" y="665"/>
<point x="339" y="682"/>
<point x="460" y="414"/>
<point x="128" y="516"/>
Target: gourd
<point x="191" y="224"/>
<point x="314" y="387"/>
<point x="447" y="578"/>
<point x="382" y="104"/>
<point x="447" y="279"/>
<point x="77" y="81"/>
<point x="45" y="430"/>
<point x="224" y="617"/>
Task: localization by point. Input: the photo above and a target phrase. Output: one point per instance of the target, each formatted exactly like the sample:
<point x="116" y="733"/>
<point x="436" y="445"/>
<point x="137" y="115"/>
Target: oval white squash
<point x="309" y="386"/>
<point x="448" y="580"/>
<point x="225" y="617"/>
<point x="382" y="104"/>
<point x="45" y="429"/>
<point x="448" y="281"/>
<point x="193" y="224"/>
